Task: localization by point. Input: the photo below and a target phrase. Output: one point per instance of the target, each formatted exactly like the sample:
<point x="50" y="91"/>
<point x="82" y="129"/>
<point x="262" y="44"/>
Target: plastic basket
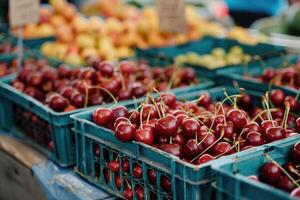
<point x="205" y="46"/>
<point x="188" y="181"/>
<point x="244" y="76"/>
<point x="232" y="181"/>
<point x="59" y="136"/>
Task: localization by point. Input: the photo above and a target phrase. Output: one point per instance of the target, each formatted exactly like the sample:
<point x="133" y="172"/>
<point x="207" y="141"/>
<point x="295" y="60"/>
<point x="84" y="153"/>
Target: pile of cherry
<point x="66" y="88"/>
<point x="202" y="130"/>
<point x="7" y="68"/>
<point x="285" y="177"/>
<point x="288" y="76"/>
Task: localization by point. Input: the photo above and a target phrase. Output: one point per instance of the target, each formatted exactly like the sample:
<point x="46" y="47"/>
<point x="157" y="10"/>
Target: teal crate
<point x="232" y="181"/>
<point x="205" y="46"/>
<point x="59" y="123"/>
<point x="188" y="181"/>
<point x="244" y="76"/>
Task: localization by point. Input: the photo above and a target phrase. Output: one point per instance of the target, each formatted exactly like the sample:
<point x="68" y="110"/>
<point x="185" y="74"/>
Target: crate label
<point x="171" y="15"/>
<point x="22" y="12"/>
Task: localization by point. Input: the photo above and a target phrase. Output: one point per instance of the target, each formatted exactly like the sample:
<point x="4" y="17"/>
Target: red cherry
<point x="238" y="117"/>
<point x="267" y="124"/>
<point x="127" y="68"/>
<point x="95" y="99"/>
<point x="144" y="135"/>
<point x="285" y="184"/>
<point x="124" y="94"/>
<point x="204" y="100"/>
<point x="77" y="99"/>
<point x="64" y="71"/>
<point x="245" y="101"/>
<point x="179" y="139"/>
<point x="96" y="150"/>
<point x="128" y="194"/>
<point x="120" y="111"/>
<point x="228" y="130"/>
<point x="151" y="173"/>
<point x="150" y="110"/>
<point x="268" y="74"/>
<point x="174" y="149"/>
<point x="275" y="133"/>
<point x="118" y="181"/>
<point x="277" y="97"/>
<point x="58" y="103"/>
<point x="191" y="149"/>
<point x="166" y="126"/>
<point x="134" y="116"/>
<point x="204" y="158"/>
<point x="165" y="184"/>
<point x="34" y="79"/>
<point x="252" y="126"/>
<point x="67" y="91"/>
<point x="169" y="99"/>
<point x="18" y="85"/>
<point x="125" y="165"/>
<point x="181" y="118"/>
<point x="139" y="193"/>
<point x="114" y="166"/>
<point x="106" y="68"/>
<point x="296" y="193"/>
<point x="207" y="139"/>
<point x="254" y="138"/>
<point x="102" y="116"/>
<point x="137" y="172"/>
<point x="222" y="148"/>
<point x="297" y="125"/>
<point x="190" y="127"/>
<point x="294" y="105"/>
<point x="270" y="173"/>
<point x="125" y="132"/>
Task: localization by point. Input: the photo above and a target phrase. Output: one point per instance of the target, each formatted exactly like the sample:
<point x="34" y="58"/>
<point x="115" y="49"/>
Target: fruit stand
<point x="104" y="101"/>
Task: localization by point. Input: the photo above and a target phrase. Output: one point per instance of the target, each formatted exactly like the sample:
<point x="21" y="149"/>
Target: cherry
<point x="286" y="184"/>
<point x="296" y="153"/>
<point x="35" y="93"/>
<point x="245" y="101"/>
<point x="204" y="158"/>
<point x="139" y="193"/>
<point x="179" y="139"/>
<point x="96" y="150"/>
<point x="165" y="184"/>
<point x="191" y="149"/>
<point x="111" y="85"/>
<point x="138" y="90"/>
<point x="268" y="74"/>
<point x="127" y="68"/>
<point x="174" y="149"/>
<point x="270" y="173"/>
<point x="125" y="165"/>
<point x="128" y="194"/>
<point x="58" y="103"/>
<point x="228" y="130"/>
<point x="124" y="94"/>
<point x="190" y="127"/>
<point x="252" y="126"/>
<point x="207" y="139"/>
<point x="297" y="125"/>
<point x="64" y="71"/>
<point x="120" y="111"/>
<point x="222" y="148"/>
<point x="134" y="116"/>
<point x="67" y="91"/>
<point x="106" y="68"/>
<point x="125" y="132"/>
<point x="204" y="100"/>
<point x="150" y="110"/>
<point x="294" y="105"/>
<point x="167" y="126"/>
<point x="34" y="79"/>
<point x="275" y="133"/>
<point x="137" y="171"/>
<point x="169" y="99"/>
<point x="254" y="138"/>
<point x="181" y="118"/>
<point x="162" y="140"/>
<point x="151" y="173"/>
<point x="18" y="85"/>
<point x="238" y="117"/>
<point x="277" y="97"/>
<point x="118" y="181"/>
<point x="296" y="192"/>
<point x="144" y="135"/>
<point x="77" y="99"/>
<point x="114" y="166"/>
<point x="102" y="116"/>
<point x="267" y="124"/>
<point x="95" y="99"/>
<point x="48" y="74"/>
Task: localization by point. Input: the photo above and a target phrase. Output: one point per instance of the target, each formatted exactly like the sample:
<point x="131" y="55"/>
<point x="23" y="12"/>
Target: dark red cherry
<point x="207" y="139"/>
<point x="191" y="149"/>
<point x="277" y="97"/>
<point x="252" y="126"/>
<point x="139" y="193"/>
<point x="114" y="166"/>
<point x="125" y="132"/>
<point x="190" y="127"/>
<point x="165" y="184"/>
<point x="294" y="105"/>
<point x="204" y="158"/>
<point x="270" y="173"/>
<point x="238" y="117"/>
<point x="285" y="184"/>
<point x="144" y="135"/>
<point x="204" y="99"/>
<point x="120" y="111"/>
<point x="58" y="103"/>
<point x="296" y="153"/>
<point x="222" y="148"/>
<point x="128" y="194"/>
<point x="102" y="116"/>
<point x="137" y="171"/>
<point x="254" y="138"/>
<point x="151" y="173"/>
<point x="166" y="126"/>
<point x="77" y="100"/>
<point x="150" y="110"/>
<point x="275" y="133"/>
<point x="268" y="74"/>
<point x="174" y="149"/>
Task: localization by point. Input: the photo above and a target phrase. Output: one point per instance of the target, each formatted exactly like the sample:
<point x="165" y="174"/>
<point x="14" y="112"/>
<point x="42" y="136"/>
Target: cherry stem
<point x="221" y="136"/>
<point x="156" y="106"/>
<point x="285" y="116"/>
<point x="223" y="112"/>
<point x="108" y="92"/>
<point x="122" y="79"/>
<point x="297" y="96"/>
<point x="263" y="112"/>
<point x="171" y="140"/>
<point x="128" y="185"/>
<point x="233" y="146"/>
<point x="266" y="101"/>
<point x="171" y="81"/>
<point x="141" y="115"/>
<point x="283" y="170"/>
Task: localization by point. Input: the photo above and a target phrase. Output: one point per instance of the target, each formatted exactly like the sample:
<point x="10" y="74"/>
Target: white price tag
<point x="171" y="15"/>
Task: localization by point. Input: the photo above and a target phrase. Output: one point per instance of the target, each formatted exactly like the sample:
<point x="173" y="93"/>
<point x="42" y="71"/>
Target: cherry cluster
<point x="202" y="130"/>
<point x="287" y="76"/>
<point x="285" y="177"/>
<point x="7" y="68"/>
<point x="66" y="88"/>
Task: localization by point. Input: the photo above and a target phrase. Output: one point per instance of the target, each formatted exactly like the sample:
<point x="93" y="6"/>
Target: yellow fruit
<point x="73" y="59"/>
<point x="80" y="24"/>
<point x="89" y="53"/>
<point x="45" y="30"/>
<point x="47" y="49"/>
<point x="85" y="41"/>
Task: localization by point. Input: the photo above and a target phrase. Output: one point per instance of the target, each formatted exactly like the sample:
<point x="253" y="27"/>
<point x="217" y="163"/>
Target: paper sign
<point x="171" y="15"/>
<point x="23" y="11"/>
